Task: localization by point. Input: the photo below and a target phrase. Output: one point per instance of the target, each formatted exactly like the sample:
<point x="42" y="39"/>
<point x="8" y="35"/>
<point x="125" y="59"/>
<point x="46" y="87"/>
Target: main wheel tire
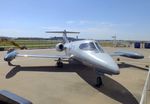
<point x="59" y="64"/>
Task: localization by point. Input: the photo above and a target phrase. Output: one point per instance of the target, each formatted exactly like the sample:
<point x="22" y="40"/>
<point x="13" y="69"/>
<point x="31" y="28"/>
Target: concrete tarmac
<point x="39" y="81"/>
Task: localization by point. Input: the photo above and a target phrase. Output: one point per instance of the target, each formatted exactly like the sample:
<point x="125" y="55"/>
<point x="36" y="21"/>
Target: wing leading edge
<point x="13" y="54"/>
<point x="128" y="54"/>
<point x="44" y="56"/>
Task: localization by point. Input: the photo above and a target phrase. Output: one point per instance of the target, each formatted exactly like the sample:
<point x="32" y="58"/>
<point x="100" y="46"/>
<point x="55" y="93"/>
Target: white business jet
<point x="88" y="52"/>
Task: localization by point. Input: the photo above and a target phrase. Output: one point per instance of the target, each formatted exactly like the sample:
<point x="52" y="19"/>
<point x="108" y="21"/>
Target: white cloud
<point x="92" y="29"/>
<point x="93" y="23"/>
<point x="52" y="28"/>
<point x="85" y="22"/>
<point x="10" y="32"/>
<point x="80" y="22"/>
<point x="70" y="22"/>
<point x="88" y="29"/>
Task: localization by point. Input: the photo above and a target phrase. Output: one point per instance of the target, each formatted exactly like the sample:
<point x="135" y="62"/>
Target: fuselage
<point x="91" y="54"/>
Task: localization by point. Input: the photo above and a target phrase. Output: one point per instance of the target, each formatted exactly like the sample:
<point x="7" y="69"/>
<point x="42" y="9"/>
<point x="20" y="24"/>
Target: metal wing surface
<point x="44" y="56"/>
<point x="128" y="54"/>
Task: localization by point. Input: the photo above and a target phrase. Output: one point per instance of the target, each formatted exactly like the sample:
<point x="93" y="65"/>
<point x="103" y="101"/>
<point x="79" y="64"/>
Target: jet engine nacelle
<point x="11" y="54"/>
<point x="59" y="47"/>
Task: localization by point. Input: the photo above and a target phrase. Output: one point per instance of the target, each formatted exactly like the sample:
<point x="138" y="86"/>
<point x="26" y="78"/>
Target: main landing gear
<point x="10" y="64"/>
<point x="59" y="63"/>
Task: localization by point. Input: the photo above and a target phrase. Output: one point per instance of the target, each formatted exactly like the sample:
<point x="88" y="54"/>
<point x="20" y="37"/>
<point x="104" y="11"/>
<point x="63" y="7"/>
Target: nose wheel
<point x="99" y="82"/>
<point x="59" y="63"/>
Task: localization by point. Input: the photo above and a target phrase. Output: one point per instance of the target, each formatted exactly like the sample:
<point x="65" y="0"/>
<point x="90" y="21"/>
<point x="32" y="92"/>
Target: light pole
<point x="114" y="40"/>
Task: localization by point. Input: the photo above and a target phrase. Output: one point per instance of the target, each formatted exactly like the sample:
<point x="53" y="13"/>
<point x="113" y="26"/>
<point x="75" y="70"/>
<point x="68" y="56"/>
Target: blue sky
<point x="95" y="19"/>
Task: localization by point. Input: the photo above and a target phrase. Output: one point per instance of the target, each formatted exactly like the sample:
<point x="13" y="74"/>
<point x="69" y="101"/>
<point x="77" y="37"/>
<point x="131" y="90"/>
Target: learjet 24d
<point x="88" y="52"/>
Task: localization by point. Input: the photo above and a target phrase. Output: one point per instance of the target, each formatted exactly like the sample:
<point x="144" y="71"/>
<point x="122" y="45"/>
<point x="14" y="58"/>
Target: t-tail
<point x="64" y="34"/>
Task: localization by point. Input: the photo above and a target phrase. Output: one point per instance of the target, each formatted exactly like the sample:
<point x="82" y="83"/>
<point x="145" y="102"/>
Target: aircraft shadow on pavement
<point x="110" y="87"/>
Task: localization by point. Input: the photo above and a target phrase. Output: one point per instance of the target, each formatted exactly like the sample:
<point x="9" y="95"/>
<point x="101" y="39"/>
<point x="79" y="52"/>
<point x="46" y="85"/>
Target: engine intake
<point x="59" y="47"/>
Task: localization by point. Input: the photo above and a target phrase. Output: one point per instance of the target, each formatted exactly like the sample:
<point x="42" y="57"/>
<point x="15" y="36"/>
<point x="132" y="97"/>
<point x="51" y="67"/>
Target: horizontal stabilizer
<point x="64" y="32"/>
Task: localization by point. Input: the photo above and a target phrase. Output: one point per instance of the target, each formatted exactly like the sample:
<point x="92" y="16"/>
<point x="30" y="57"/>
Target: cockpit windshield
<point x="99" y="48"/>
<point x="91" y="46"/>
<point x="87" y="46"/>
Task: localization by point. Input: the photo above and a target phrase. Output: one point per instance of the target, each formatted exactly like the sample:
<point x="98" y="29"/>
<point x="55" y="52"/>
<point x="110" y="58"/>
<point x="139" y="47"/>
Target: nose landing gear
<point x="99" y="81"/>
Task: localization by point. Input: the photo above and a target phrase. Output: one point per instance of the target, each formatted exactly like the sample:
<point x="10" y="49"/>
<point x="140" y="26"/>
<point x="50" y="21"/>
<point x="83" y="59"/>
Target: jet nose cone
<point x="108" y="64"/>
<point x="115" y="69"/>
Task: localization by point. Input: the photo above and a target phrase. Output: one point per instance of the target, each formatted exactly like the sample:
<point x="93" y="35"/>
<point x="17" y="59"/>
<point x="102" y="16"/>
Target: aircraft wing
<point x="12" y="54"/>
<point x="44" y="56"/>
<point x="128" y="54"/>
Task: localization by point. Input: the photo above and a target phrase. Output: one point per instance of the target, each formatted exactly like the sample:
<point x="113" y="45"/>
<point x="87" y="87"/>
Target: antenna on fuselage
<point x="64" y="34"/>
